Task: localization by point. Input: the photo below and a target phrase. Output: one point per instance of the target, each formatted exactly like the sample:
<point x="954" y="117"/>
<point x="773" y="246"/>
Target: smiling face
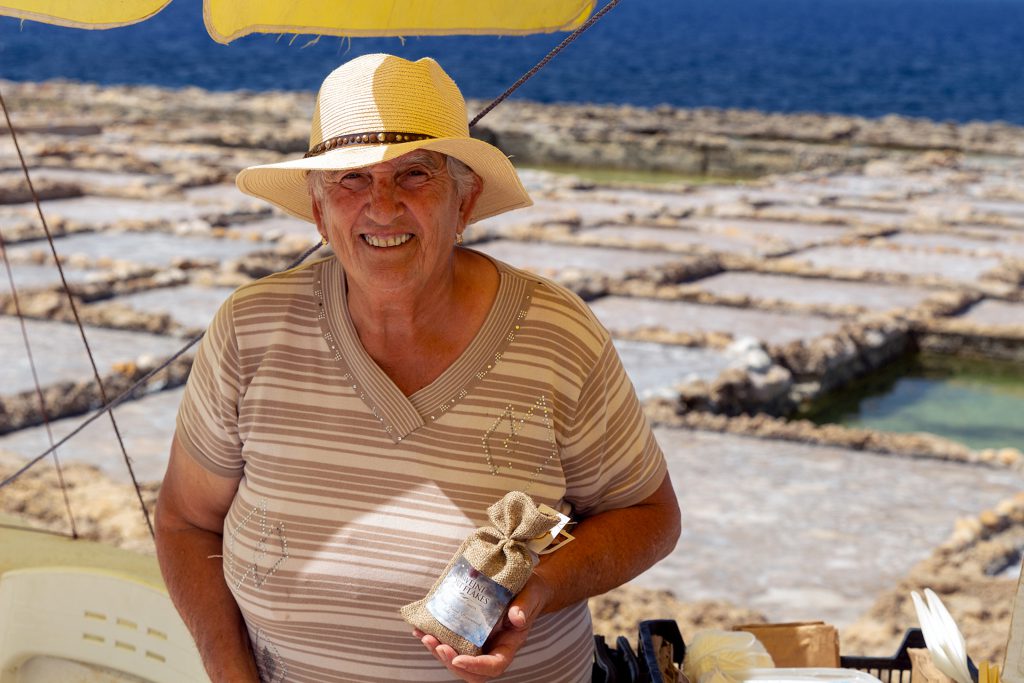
<point x="393" y="224"/>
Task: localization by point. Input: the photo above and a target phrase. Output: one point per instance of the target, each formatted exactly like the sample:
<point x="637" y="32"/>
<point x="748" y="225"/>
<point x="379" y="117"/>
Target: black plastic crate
<point x="618" y="665"/>
<point x="623" y="665"/>
<point x="895" y="669"/>
<point x="669" y="631"/>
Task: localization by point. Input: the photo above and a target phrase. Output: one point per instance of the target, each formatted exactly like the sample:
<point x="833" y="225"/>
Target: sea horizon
<point x="943" y="60"/>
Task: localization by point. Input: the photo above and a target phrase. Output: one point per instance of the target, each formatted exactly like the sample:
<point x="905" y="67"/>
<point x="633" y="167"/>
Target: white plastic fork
<point x="943" y="638"/>
<point x="952" y="637"/>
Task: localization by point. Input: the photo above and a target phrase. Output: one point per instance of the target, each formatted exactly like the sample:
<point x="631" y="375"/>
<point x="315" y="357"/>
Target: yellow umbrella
<point x="227" y="20"/>
<point x="93" y="14"/>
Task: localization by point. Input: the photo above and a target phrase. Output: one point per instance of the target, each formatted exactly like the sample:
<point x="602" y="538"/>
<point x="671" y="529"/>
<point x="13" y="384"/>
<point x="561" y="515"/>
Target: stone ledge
<point x="920" y="445"/>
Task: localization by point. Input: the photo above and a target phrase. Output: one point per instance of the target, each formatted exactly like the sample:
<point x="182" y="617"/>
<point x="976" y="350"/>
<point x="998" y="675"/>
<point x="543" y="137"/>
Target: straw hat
<point x="378" y="107"/>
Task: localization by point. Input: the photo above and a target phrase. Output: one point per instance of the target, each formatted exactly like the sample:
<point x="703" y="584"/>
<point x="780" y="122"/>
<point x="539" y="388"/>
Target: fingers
<point x="502" y="647"/>
<point x="481" y="667"/>
<point x="517" y="617"/>
<point x="472" y="669"/>
<point x="523" y="610"/>
<point x="445" y="654"/>
<point x="530" y="602"/>
<point x="501" y="651"/>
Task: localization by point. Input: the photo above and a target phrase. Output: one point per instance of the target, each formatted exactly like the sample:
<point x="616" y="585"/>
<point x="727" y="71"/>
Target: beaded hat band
<point x="376" y="108"/>
<point x="375" y="138"/>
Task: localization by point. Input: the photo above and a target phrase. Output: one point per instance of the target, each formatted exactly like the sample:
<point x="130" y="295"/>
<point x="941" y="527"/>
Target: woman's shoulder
<point x="294" y="281"/>
<point x="555" y="302"/>
<point x="263" y="301"/>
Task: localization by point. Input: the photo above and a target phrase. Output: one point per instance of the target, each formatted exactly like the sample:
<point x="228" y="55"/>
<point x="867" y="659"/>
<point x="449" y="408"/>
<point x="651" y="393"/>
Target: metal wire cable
<point x="547" y="58"/>
<point x="109" y="405"/>
<point x="74" y="311"/>
<point x="36" y="384"/>
<point x="129" y="392"/>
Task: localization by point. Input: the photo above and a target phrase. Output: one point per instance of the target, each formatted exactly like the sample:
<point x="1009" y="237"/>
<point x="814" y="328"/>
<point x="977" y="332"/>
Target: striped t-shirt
<point x="353" y="497"/>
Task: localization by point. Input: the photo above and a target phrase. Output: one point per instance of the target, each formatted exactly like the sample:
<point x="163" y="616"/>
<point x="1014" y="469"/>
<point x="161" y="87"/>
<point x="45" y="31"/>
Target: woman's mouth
<point x="384" y="242"/>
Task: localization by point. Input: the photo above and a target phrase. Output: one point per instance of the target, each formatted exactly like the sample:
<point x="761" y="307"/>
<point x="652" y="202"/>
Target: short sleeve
<point x="610" y="458"/>
<point x="207" y="424"/>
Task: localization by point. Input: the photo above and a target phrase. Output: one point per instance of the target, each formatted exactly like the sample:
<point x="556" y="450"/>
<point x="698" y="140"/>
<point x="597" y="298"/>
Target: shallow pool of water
<point x="978" y="403"/>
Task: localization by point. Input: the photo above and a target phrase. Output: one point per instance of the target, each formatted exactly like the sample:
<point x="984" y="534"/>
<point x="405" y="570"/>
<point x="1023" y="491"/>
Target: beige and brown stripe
<point x="352" y="496"/>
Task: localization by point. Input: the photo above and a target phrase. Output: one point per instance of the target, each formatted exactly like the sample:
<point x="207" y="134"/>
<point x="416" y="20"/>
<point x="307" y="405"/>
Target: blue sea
<point x="955" y="60"/>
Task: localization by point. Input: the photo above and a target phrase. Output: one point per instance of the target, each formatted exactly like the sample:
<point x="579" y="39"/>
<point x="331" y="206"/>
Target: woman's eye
<point x="414" y="177"/>
<point x="354" y="181"/>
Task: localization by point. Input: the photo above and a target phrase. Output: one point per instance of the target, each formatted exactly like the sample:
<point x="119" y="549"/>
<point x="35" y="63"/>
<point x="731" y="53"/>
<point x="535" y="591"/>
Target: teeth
<point x="393" y="241"/>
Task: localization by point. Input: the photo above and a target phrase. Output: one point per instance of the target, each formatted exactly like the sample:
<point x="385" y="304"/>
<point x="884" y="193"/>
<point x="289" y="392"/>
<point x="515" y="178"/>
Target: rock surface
<point x="850" y="242"/>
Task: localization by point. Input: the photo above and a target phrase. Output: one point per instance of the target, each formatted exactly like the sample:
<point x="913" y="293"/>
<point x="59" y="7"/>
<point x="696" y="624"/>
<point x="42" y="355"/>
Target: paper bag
<point x="798" y="644"/>
<point x="923" y="669"/>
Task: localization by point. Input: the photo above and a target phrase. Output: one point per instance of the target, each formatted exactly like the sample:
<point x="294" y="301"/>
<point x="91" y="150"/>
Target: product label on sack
<point x="469" y="602"/>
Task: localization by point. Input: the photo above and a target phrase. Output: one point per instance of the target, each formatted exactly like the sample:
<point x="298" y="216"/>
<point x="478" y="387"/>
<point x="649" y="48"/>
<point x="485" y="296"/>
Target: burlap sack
<point x="499" y="551"/>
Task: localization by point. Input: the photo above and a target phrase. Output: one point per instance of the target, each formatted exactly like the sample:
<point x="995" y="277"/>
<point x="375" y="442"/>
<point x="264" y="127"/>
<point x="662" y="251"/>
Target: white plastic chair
<point x="74" y="624"/>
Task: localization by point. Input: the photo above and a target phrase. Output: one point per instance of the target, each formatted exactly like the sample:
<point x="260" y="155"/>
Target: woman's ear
<point x="317" y="215"/>
<point x="469" y="201"/>
<point x="318" y="219"/>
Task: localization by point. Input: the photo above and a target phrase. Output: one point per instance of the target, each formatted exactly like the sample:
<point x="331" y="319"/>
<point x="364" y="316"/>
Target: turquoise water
<point x="978" y="403"/>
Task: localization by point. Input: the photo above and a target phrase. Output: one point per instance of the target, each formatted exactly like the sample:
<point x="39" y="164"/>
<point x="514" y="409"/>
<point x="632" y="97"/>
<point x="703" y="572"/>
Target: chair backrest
<point x="89" y="617"/>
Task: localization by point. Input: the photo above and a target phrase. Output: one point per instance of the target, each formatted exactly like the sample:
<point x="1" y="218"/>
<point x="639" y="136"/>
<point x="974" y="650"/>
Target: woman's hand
<point x="607" y="545"/>
<point x="503" y="645"/>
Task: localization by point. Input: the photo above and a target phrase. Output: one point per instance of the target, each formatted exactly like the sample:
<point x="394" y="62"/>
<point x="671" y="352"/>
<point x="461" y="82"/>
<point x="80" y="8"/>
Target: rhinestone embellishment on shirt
<point x="513" y="425"/>
<point x="440" y="409"/>
<point x="480" y="374"/>
<point x="269" y="535"/>
<point x="273" y="668"/>
<point x="332" y="344"/>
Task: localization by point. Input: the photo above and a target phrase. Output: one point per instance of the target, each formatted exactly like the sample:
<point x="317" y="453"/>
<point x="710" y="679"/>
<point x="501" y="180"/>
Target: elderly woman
<point x="348" y="422"/>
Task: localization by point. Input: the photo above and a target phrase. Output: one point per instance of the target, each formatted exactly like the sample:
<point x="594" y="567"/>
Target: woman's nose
<point x="383" y="206"/>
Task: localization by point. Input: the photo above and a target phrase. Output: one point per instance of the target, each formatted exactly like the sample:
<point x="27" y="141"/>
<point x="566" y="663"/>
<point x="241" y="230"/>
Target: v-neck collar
<point x="400" y="415"/>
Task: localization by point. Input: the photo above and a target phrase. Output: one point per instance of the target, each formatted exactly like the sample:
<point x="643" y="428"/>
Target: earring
<point x="458" y="239"/>
<point x="323" y="240"/>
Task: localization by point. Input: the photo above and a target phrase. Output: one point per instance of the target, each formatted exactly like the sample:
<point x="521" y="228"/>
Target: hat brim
<point x="284" y="184"/>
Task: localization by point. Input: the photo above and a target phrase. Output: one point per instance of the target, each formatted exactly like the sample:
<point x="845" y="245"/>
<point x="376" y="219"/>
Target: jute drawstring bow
<point x="500" y="550"/>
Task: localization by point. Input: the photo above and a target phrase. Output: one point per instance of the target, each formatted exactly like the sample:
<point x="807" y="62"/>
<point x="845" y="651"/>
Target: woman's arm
<point x="610" y="549"/>
<point x="189" y="522"/>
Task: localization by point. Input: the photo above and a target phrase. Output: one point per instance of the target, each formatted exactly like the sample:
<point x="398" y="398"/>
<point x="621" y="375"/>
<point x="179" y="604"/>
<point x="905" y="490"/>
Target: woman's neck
<point x="415" y="336"/>
<point x="402" y="310"/>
